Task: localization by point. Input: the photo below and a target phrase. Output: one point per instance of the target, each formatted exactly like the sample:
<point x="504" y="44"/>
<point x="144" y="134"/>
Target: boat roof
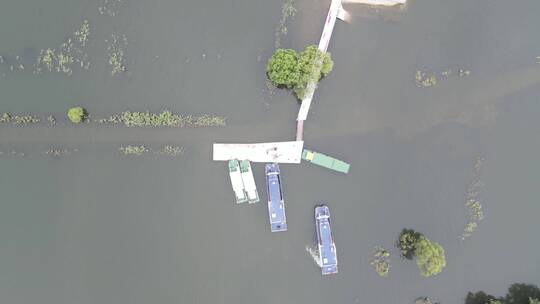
<point x="326" y="241"/>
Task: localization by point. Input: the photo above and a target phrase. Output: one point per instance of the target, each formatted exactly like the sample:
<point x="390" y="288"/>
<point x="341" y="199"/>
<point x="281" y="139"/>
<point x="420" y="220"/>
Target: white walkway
<point x="273" y="152"/>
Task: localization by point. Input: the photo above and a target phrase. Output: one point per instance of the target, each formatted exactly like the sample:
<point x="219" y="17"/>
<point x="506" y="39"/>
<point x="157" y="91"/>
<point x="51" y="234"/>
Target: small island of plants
<point x="429" y="255"/>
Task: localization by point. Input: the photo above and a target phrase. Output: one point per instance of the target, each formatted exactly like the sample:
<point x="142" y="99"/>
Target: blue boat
<point x="276" y="206"/>
<point x="327" y="247"/>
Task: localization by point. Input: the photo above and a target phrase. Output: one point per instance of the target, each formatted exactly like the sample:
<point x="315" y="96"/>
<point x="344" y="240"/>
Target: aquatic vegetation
<point x="424" y="300"/>
<point x="12" y="153"/>
<point x="70" y="54"/>
<point x="287" y="11"/>
<point x="473" y="204"/>
<point x="59" y="152"/>
<point x="430" y="257"/>
<point x="406" y="243"/>
<point x="52" y="120"/>
<point x="23" y="119"/>
<point x="77" y="114"/>
<point x="169" y="119"/>
<point x="381" y="261"/>
<point x="83" y="33"/>
<point x="5" y="118"/>
<point x="117" y="60"/>
<point x="300" y="72"/>
<point x="111" y="7"/>
<point x="170" y="151"/>
<point x="133" y="150"/>
<point x="424" y="79"/>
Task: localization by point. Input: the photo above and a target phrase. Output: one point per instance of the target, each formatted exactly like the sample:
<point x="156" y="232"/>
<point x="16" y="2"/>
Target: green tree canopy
<point x="295" y="71"/>
<point x="429" y="257"/>
<point x="480" y="297"/>
<point x="313" y="65"/>
<point x="519" y="293"/>
<point x="282" y="68"/>
<point x="76" y="114"/>
<point x="406" y="242"/>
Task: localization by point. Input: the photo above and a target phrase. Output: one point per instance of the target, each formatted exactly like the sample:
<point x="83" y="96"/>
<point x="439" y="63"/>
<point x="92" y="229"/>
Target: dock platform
<point x="272" y="152"/>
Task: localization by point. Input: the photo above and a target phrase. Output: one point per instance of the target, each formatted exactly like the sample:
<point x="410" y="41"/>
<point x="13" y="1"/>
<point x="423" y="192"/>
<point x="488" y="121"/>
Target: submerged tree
<point x="406" y="243"/>
<point x="519" y="293"/>
<point x="282" y="68"/>
<point x="77" y="114"/>
<point x="296" y="71"/>
<point x="429" y="257"/>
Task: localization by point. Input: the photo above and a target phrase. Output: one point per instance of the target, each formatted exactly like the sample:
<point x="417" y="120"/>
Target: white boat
<point x="249" y="183"/>
<point x="236" y="182"/>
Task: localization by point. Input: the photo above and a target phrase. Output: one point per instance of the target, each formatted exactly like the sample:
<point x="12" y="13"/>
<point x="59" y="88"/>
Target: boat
<point x="249" y="183"/>
<point x="236" y="182"/>
<point x="325" y="161"/>
<point x="327" y="247"/>
<point x="276" y="205"/>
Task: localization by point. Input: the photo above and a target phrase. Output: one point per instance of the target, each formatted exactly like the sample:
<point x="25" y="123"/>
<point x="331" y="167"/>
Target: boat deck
<point x="236" y="182"/>
<point x="276" y="204"/>
<point x="327" y="247"/>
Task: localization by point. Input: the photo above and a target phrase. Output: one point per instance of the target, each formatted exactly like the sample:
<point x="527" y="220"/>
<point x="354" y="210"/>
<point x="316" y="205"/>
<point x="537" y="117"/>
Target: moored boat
<point x="276" y="204"/>
<point x="249" y="183"/>
<point x="327" y="247"/>
<point x="236" y="182"/>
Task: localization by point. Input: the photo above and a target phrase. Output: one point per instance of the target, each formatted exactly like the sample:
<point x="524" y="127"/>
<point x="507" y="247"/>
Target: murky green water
<point x="98" y="227"/>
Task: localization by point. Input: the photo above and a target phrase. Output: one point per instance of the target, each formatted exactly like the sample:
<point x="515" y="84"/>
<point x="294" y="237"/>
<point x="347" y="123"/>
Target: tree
<point x="408" y="238"/>
<point x="295" y="71"/>
<point x="313" y="65"/>
<point x="429" y="257"/>
<point x="519" y="293"/>
<point x="282" y="68"/>
<point x="77" y="114"/>
<point x="480" y="297"/>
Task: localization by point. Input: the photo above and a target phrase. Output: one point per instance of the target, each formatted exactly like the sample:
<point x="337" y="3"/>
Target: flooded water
<point x="99" y="227"/>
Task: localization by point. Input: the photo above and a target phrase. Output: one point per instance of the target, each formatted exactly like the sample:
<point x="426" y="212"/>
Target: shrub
<point x="407" y="241"/>
<point x="429" y="257"/>
<point x="77" y="114"/>
<point x="282" y="68"/>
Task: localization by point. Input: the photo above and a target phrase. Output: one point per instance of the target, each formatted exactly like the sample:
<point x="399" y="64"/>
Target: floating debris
<point x="117" y="60"/>
<point x="473" y="204"/>
<point x="425" y="79"/>
<point x="288" y="10"/>
<point x="133" y="150"/>
<point x="537" y="59"/>
<point x="381" y="261"/>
